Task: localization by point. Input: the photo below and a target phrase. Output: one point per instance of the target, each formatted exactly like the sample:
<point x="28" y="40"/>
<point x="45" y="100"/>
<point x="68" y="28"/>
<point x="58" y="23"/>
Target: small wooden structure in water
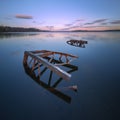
<point x="77" y="43"/>
<point x="38" y="58"/>
<point x="48" y="83"/>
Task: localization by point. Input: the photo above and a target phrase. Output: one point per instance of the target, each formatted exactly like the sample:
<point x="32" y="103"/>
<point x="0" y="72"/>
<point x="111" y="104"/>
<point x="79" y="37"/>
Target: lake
<point x="97" y="77"/>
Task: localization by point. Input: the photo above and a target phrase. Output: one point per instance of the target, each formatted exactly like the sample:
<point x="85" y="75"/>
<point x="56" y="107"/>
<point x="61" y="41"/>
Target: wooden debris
<point x="74" y="88"/>
<point x="38" y="58"/>
<point x="48" y="83"/>
<point x="47" y="86"/>
<point x="77" y="43"/>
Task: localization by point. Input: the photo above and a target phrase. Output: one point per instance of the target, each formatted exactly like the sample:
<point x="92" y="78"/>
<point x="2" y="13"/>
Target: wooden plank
<point x="53" y="52"/>
<point x="46" y="54"/>
<point x="47" y="86"/>
<point x="66" y="54"/>
<point x="52" y="67"/>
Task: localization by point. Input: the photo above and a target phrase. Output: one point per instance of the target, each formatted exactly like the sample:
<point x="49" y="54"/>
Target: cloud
<point x="92" y="26"/>
<point x="68" y="25"/>
<point x="74" y="27"/>
<point x="21" y="16"/>
<point x="99" y="21"/>
<point x="74" y="23"/>
<point x="89" y="23"/>
<point x="104" y="23"/>
<point x="69" y="28"/>
<point x="96" y="21"/>
<point x="115" y="22"/>
<point x="79" y="20"/>
<point x="99" y="24"/>
<point x="38" y="23"/>
<point x="50" y="27"/>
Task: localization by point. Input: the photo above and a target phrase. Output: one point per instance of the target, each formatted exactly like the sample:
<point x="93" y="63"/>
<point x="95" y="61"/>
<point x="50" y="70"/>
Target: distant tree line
<point x="19" y="29"/>
<point x="22" y="29"/>
<point x="115" y="30"/>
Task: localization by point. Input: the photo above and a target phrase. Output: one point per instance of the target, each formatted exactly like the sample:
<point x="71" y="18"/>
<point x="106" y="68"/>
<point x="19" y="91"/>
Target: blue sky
<point x="61" y="14"/>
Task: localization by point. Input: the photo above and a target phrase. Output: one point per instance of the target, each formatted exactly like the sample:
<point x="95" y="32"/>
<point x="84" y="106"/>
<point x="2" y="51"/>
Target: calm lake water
<point x="97" y="78"/>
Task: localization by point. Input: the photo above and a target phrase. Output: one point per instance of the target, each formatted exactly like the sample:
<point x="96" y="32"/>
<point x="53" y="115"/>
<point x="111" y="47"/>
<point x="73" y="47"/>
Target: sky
<point x="61" y="14"/>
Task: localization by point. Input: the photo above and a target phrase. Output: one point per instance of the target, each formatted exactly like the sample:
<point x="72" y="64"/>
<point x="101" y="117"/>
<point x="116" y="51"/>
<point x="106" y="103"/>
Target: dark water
<point x="97" y="78"/>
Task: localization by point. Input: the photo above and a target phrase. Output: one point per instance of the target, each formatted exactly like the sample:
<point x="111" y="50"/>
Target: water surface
<point x="97" y="78"/>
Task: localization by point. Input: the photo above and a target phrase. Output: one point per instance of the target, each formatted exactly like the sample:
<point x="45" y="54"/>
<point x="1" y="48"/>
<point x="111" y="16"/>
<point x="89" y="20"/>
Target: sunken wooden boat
<point x="77" y="43"/>
<point x="49" y="83"/>
<point x="38" y="58"/>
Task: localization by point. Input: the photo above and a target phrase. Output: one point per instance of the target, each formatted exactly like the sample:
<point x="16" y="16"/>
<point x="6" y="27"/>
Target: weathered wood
<point x="47" y="86"/>
<point x="52" y="67"/>
<point x="46" y="54"/>
<point x="52" y="52"/>
<point x="77" y="43"/>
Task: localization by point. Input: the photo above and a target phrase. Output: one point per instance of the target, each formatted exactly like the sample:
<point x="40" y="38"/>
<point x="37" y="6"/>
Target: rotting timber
<point x="38" y="58"/>
<point x="49" y="84"/>
<point x="77" y="43"/>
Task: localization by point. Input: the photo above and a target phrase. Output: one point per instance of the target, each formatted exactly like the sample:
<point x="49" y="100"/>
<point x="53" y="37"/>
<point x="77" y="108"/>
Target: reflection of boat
<point x="49" y="85"/>
<point x="77" y="43"/>
<point x="38" y="58"/>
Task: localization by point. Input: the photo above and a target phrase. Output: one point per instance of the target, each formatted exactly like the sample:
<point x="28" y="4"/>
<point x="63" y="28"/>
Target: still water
<point x="97" y="78"/>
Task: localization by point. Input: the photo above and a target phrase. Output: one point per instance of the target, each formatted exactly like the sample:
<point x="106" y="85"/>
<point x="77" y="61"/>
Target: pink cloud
<point x="96" y="21"/>
<point x="21" y="16"/>
<point x="115" y="22"/>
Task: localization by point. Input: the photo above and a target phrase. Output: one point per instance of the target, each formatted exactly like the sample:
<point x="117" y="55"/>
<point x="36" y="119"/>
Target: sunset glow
<point x="62" y="15"/>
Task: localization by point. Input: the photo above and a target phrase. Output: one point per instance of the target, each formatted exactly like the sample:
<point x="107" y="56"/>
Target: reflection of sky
<point x="97" y="78"/>
<point x="62" y="36"/>
<point x="62" y="14"/>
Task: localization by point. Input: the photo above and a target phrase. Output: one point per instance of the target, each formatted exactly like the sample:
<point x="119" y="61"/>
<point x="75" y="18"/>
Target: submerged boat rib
<point x="38" y="58"/>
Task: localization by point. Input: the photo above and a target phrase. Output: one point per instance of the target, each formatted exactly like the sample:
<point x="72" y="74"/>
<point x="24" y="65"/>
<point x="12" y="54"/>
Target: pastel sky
<point x="61" y="14"/>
